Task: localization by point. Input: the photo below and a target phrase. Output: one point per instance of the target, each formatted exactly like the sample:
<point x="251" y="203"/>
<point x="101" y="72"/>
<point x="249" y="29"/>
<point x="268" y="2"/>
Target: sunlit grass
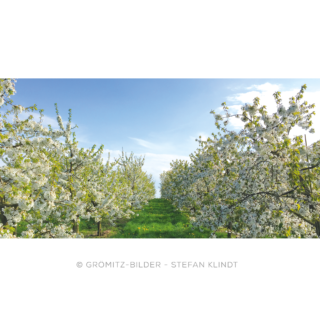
<point x="158" y="219"/>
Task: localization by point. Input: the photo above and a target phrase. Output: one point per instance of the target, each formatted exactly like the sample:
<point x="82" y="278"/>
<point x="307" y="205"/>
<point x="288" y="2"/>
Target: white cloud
<point x="145" y="143"/>
<point x="204" y="136"/>
<point x="233" y="109"/>
<point x="266" y="87"/>
<point x="153" y="147"/>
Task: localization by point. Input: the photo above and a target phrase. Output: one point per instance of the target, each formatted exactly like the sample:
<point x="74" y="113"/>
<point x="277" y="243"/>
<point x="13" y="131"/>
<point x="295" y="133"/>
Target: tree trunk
<point x="3" y="219"/>
<point x="318" y="228"/>
<point x="229" y="227"/>
<point x="76" y="227"/>
<point x="99" y="229"/>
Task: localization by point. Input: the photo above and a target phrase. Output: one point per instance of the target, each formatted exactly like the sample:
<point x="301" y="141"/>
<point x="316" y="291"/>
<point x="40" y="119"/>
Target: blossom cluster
<point x="50" y="183"/>
<point x="257" y="182"/>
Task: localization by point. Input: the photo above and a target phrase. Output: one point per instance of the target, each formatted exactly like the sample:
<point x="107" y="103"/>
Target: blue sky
<point x="158" y="118"/>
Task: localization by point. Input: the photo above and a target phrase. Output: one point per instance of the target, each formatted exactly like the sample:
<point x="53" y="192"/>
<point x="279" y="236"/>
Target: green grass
<point x="158" y="219"/>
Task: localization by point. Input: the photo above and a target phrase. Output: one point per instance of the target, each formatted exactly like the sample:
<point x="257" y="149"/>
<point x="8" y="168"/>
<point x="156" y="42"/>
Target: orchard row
<point x="50" y="183"/>
<point x="258" y="182"/>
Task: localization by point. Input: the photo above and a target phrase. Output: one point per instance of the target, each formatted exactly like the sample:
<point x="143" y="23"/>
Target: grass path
<point x="158" y="219"/>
